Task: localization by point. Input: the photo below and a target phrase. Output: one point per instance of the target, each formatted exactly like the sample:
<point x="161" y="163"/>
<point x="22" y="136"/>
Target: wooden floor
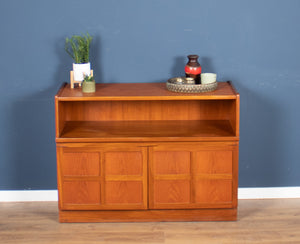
<point x="259" y="221"/>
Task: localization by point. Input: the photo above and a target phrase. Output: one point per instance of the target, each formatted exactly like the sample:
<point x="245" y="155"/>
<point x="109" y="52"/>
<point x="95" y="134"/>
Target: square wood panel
<point x="213" y="191"/>
<point x="171" y="191"/>
<point x="81" y="192"/>
<point x="169" y="162"/>
<point x="125" y="178"/>
<point x="81" y="164"/>
<point x="123" y="163"/>
<point x="123" y="192"/>
<point x="213" y="162"/>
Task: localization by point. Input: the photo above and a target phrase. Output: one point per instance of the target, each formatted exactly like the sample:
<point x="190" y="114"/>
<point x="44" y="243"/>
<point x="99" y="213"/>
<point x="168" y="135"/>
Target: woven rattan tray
<point x="180" y="84"/>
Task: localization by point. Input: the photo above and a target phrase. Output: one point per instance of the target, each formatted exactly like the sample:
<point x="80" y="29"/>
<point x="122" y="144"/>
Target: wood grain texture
<point x="211" y="191"/>
<point x="192" y="176"/>
<point x="116" y="131"/>
<point x="81" y="164"/>
<point x="143" y="91"/>
<point x="147" y="110"/>
<point x="59" y="112"/>
<point x="158" y="155"/>
<point x="275" y="221"/>
<point x="148" y="216"/>
<point x="81" y="192"/>
<point x="102" y="177"/>
<point x="171" y="193"/>
<point x="125" y="178"/>
<point x="213" y="162"/>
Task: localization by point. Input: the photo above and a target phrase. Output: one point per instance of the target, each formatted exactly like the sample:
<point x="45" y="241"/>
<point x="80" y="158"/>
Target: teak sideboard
<point x="138" y="152"/>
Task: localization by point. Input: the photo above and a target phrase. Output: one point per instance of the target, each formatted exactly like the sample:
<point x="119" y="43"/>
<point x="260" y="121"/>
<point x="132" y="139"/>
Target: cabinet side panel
<point x="233" y="113"/>
<point x="60" y="114"/>
<point x="235" y="176"/>
<point x="59" y="153"/>
<point x="59" y="121"/>
<point x="237" y="117"/>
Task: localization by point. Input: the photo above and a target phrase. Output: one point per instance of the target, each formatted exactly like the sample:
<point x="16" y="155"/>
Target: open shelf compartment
<point x="158" y="130"/>
<point x="146" y="114"/>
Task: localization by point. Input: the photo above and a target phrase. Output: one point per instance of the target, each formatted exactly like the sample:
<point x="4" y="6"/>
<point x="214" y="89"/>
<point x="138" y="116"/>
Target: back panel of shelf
<point x="146" y="110"/>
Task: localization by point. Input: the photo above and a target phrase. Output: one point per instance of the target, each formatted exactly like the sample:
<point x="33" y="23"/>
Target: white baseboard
<point x="243" y="193"/>
<point x="268" y="192"/>
<point x="28" y="196"/>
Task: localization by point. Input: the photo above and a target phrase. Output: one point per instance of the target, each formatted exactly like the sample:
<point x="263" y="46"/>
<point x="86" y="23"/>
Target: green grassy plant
<point x="78" y="47"/>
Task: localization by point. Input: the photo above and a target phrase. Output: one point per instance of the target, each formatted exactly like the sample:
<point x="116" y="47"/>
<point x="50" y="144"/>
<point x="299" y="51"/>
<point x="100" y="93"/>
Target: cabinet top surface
<point x="142" y="91"/>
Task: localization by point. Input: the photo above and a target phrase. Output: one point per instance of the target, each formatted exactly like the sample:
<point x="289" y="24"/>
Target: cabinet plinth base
<point x="148" y="215"/>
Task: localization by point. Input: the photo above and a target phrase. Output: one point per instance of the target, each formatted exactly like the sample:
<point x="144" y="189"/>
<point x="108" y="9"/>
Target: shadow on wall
<point x="95" y="59"/>
<point x="207" y="65"/>
<point x="33" y="156"/>
<point x="178" y="66"/>
<point x="261" y="158"/>
<point x="34" y="146"/>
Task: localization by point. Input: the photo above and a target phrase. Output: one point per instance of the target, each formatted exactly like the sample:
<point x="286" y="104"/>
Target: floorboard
<point x="259" y="221"/>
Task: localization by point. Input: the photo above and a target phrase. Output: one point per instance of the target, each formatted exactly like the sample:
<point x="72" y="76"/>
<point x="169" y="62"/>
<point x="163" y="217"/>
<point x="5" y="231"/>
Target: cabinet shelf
<point x="162" y="130"/>
<point x="111" y="131"/>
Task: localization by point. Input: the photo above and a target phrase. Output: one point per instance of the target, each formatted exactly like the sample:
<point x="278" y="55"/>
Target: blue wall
<point x="253" y="43"/>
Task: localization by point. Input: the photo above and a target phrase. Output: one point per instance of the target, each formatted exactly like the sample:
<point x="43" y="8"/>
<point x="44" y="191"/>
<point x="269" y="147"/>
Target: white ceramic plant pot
<point x="80" y="70"/>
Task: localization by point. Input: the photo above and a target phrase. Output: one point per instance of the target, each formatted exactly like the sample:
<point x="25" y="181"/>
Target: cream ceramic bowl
<point x="207" y="78"/>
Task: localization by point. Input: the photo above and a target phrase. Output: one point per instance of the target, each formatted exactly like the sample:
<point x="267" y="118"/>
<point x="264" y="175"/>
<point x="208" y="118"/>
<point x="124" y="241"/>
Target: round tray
<point x="179" y="84"/>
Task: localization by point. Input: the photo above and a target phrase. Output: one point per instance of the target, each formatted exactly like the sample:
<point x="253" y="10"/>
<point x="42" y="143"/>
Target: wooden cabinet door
<point x="102" y="176"/>
<point x="196" y="175"/>
<point x="125" y="178"/>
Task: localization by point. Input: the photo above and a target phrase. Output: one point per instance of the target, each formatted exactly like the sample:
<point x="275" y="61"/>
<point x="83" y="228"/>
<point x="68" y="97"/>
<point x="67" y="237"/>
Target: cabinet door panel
<point x="213" y="171"/>
<point x="123" y="163"/>
<point x="174" y="163"/>
<point x="170" y="182"/>
<point x="213" y="191"/>
<point x="172" y="191"/>
<point x="213" y="162"/>
<point x="101" y="176"/>
<point x="199" y="175"/>
<point x="81" y="192"/>
<point x="125" y="179"/>
<point x="81" y="164"/>
<point x="123" y="192"/>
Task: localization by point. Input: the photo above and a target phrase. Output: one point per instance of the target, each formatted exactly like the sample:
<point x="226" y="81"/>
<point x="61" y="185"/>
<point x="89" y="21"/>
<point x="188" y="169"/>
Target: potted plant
<point x="78" y="47"/>
<point x="88" y="84"/>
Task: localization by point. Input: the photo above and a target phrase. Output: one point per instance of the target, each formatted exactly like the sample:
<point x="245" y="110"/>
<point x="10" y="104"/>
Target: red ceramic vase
<point x="193" y="68"/>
